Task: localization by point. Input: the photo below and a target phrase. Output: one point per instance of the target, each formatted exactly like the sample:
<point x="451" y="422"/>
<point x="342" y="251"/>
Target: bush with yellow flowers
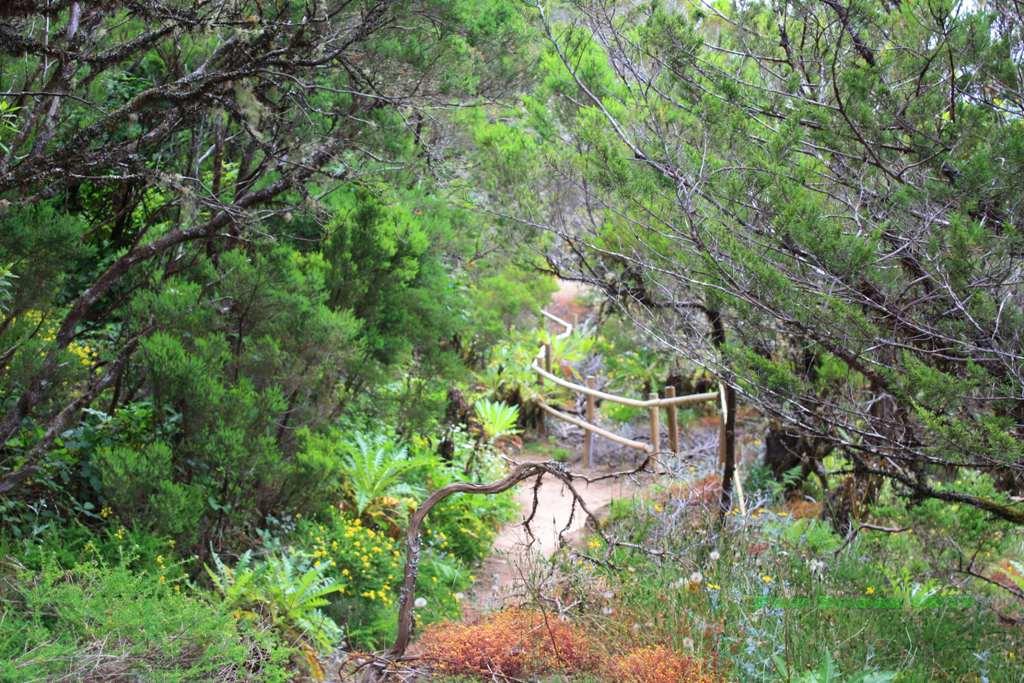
<point x="465" y="525"/>
<point x="365" y="562"/>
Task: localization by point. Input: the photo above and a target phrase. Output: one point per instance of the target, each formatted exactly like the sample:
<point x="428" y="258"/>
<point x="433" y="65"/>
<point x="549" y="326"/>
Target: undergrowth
<point x="773" y="595"/>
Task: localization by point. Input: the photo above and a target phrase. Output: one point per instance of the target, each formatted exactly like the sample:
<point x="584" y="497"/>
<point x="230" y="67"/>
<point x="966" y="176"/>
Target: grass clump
<point x="767" y="597"/>
<point x="108" y="622"/>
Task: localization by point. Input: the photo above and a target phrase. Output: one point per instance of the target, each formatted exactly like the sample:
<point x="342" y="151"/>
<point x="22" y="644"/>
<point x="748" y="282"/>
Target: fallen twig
<point x="870" y="527"/>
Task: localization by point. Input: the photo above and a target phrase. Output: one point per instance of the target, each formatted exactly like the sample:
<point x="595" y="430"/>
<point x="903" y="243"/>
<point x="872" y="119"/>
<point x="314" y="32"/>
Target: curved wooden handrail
<point x="614" y="398"/>
<point x="555" y="319"/>
<point x="652" y="404"/>
<point x="565" y="417"/>
<point x="569" y="329"/>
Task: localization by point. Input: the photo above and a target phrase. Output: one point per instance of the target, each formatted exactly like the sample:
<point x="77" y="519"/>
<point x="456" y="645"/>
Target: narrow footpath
<point x="499" y="581"/>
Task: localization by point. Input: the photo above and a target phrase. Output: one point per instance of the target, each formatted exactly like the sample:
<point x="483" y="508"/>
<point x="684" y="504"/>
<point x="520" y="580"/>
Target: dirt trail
<point x="498" y="578"/>
<point x="513" y="549"/>
<point x="565" y="303"/>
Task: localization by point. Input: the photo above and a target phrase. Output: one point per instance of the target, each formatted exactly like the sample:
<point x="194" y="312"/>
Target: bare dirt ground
<point x="499" y="578"/>
<point x="567" y="302"/>
<point x="514" y="548"/>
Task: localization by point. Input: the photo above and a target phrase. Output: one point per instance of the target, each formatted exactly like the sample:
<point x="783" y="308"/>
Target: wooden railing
<point x="653" y="404"/>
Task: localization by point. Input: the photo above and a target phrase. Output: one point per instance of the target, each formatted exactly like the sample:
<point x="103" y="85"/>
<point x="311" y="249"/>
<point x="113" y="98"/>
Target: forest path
<point x="500" y="579"/>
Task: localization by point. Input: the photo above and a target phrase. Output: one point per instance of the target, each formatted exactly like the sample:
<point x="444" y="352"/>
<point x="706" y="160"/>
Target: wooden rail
<point x="566" y="417"/>
<point x="653" y="404"/>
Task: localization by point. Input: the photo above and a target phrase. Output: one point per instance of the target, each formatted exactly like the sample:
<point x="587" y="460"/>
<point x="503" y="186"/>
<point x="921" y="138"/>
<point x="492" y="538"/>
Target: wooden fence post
<point x="655" y="424"/>
<point x="673" y="421"/>
<point x="542" y="429"/>
<point x="721" y="429"/>
<point x="727" y="446"/>
<point x="588" y="437"/>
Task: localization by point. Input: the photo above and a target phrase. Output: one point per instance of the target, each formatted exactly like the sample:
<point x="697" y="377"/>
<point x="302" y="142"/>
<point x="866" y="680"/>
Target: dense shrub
<point x="363" y="553"/>
<point x="767" y="596"/>
<point x="464" y="525"/>
<point x="104" y="622"/>
<point x="365" y="564"/>
<point x="282" y="593"/>
<point x="512" y="643"/>
<point x="657" y="664"/>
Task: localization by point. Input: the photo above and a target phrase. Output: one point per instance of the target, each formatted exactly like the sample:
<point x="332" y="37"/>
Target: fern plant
<point x="6" y="286"/>
<point x="828" y="672"/>
<point x="572" y="348"/>
<point x="508" y="370"/>
<point x="497" y="419"/>
<point x="278" y="590"/>
<point x="376" y="467"/>
<point x="8" y="123"/>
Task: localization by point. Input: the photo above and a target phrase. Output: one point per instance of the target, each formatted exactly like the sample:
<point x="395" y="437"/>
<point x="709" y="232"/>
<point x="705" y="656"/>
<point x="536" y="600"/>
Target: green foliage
<point x="280" y="594"/>
<point x="826" y="672"/>
<point x="375" y="466"/>
<point x="772" y="600"/>
<point x="186" y="354"/>
<point x="620" y="413"/>
<point x="507" y="375"/>
<point x="383" y="266"/>
<point x="635" y="371"/>
<point x="800" y="222"/>
<point x="760" y="480"/>
<point x="441" y="583"/>
<point x="45" y="250"/>
<point x="95" y="620"/>
<point x="364" y="564"/>
<point x="497" y="419"/>
<point x="6" y="277"/>
<point x="811" y="535"/>
<point x="363" y="557"/>
<point x="140" y="485"/>
<point x="190" y="464"/>
<point x="465" y="525"/>
<point x="8" y="123"/>
<point x="550" y="449"/>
